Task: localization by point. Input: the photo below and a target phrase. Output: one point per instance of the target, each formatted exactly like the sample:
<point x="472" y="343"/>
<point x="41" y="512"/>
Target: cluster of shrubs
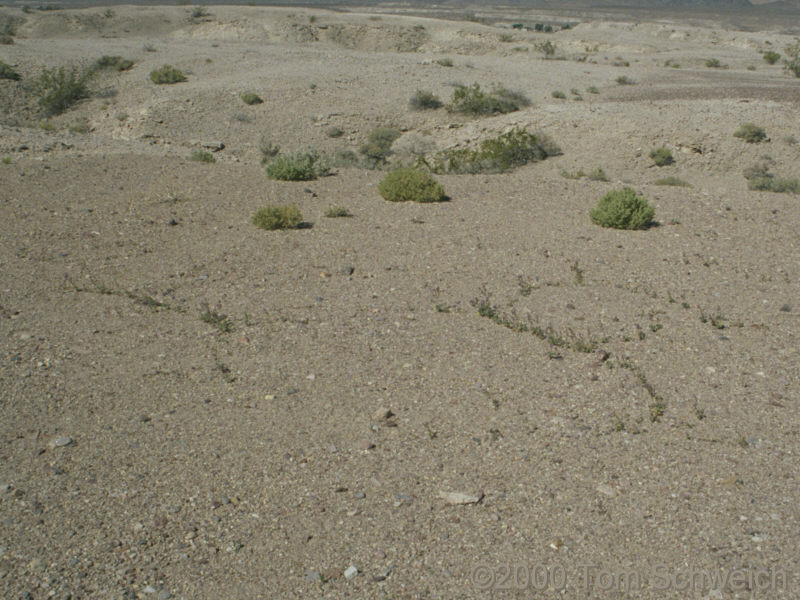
<point x="167" y="74"/>
<point x="472" y="100"/>
<point x="752" y="134"/>
<point x="760" y="179"/>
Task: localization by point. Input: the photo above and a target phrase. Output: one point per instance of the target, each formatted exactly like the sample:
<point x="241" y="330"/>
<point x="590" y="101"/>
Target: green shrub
<point x="7" y="160"/>
<point x="411" y="185"/>
<point x="625" y="80"/>
<point x="752" y="134"/>
<point x="673" y="181"/>
<point x="507" y="151"/>
<point x="202" y="156"/>
<point x="278" y="217"/>
<point x="166" y="74"/>
<point x="661" y="156"/>
<point x="592" y="89"/>
<point x="548" y="48"/>
<point x="792" y="61"/>
<point x="7" y="72"/>
<point x="59" y="88"/>
<point x="112" y="62"/>
<point x="268" y="150"/>
<point x="771" y="57"/>
<point x="334" y="132"/>
<point x="558" y="94"/>
<point x="759" y="178"/>
<point x="6" y="40"/>
<point x="623" y="209"/>
<point x="713" y="63"/>
<point x="474" y="101"/>
<point x="423" y="100"/>
<point x="300" y="166"/>
<point x="337" y="212"/>
<point x="345" y="159"/>
<point x="251" y="98"/>
<point x="379" y="145"/>
<point x="444" y="62"/>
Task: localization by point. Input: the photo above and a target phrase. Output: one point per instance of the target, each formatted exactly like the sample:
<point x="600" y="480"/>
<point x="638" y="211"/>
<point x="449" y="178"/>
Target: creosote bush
<point x="278" y="217"/>
<point x="411" y="185"/>
<point x="473" y="100"/>
<point x="335" y="212"/>
<point x="760" y="179"/>
<point x="792" y="60"/>
<point x="507" y="151"/>
<point x="752" y="134"/>
<point x="251" y="98"/>
<point x="7" y="72"/>
<point x="671" y="181"/>
<point x="625" y="80"/>
<point x="558" y="94"/>
<point x="771" y="57"/>
<point x="623" y="209"/>
<point x="661" y="156"/>
<point x="424" y="100"/>
<point x="299" y="166"/>
<point x="203" y="156"/>
<point x="59" y="88"/>
<point x="167" y="74"/>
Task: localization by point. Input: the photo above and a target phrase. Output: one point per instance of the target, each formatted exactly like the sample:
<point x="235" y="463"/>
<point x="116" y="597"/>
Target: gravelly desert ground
<point x="148" y="453"/>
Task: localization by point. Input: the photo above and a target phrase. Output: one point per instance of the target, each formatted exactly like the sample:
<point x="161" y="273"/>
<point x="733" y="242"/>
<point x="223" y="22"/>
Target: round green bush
<point x="411" y="185"/>
<point x="623" y="209"/>
<point x="274" y="217"/>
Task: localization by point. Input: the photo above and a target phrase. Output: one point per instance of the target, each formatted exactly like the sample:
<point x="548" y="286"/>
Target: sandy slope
<point x="256" y="462"/>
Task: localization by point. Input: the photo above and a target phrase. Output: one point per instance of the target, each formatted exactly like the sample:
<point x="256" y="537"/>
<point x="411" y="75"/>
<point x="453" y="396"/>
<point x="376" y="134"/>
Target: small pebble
<point x="149" y="590"/>
<point x="60" y="442"/>
<point x="366" y="445"/>
<point x="786" y="308"/>
<point x="350" y="572"/>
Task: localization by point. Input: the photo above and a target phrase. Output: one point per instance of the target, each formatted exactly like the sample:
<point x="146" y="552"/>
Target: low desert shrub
<point x="623" y="209"/>
<point x="750" y="133"/>
<point x="760" y="179"/>
<point x="334" y="132"/>
<point x="335" y="212"/>
<point x="202" y="156"/>
<point x="299" y="166"/>
<point x="8" y="72"/>
<point x="713" y="63"/>
<point x="558" y="94"/>
<point x="548" y="48"/>
<point x="597" y="175"/>
<point x="661" y="156"/>
<point x="507" y="151"/>
<point x="59" y="88"/>
<point x="672" y="181"/>
<point x="444" y="62"/>
<point x="771" y="57"/>
<point x="251" y="98"/>
<point x="411" y="185"/>
<point x="424" y="100"/>
<point x="112" y="62"/>
<point x="792" y="61"/>
<point x="592" y="89"/>
<point x="473" y="100"/>
<point x="274" y="217"/>
<point x="268" y="150"/>
<point x="379" y="145"/>
<point x="625" y="80"/>
<point x="167" y="74"/>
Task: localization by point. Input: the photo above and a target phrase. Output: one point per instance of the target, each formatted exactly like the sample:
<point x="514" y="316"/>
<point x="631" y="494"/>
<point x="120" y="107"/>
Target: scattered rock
<point x="350" y="572"/>
<point x="313" y="576"/>
<point x="213" y="146"/>
<point x="347" y="270"/>
<point x="457" y="498"/>
<point x="366" y="445"/>
<point x="149" y="590"/>
<point x="164" y="595"/>
<point x="382" y="414"/>
<point x="60" y="442"/>
<point x="786" y="308"/>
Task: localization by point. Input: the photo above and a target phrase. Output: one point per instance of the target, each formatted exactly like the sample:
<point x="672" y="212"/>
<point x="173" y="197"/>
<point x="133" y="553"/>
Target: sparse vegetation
<point x="112" y="62"/>
<point x="661" y="156"/>
<point x="473" y="100"/>
<point x="379" y="145"/>
<point x="251" y="98"/>
<point x="714" y="63"/>
<point x="7" y="160"/>
<point x="548" y="48"/>
<point x="671" y="181"/>
<point x="558" y="94"/>
<point x="411" y="185"/>
<point x="597" y="175"/>
<point x="217" y="319"/>
<point x="625" y="80"/>
<point x="268" y="150"/>
<point x="592" y="89"/>
<point x="299" y="166"/>
<point x="771" y="57"/>
<point x="59" y="88"/>
<point x="792" y="60"/>
<point x="337" y="212"/>
<point x="167" y="74"/>
<point x="334" y="132"/>
<point x="760" y="179"/>
<point x="507" y="151"/>
<point x="623" y="209"/>
<point x="274" y="217"/>
<point x="8" y="72"/>
<point x="444" y="62"/>
<point x="752" y="134"/>
<point x="202" y="156"/>
<point x="424" y="100"/>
